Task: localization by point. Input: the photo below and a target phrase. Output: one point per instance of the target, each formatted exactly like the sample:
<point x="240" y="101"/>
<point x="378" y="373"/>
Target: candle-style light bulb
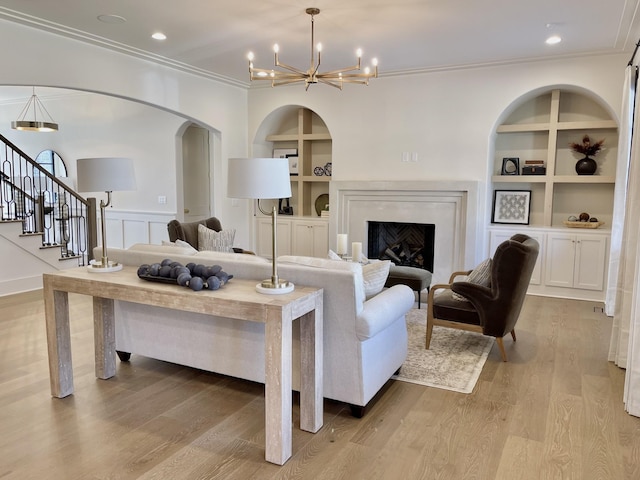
<point x="359" y="53"/>
<point x="319" y="47"/>
<point x="374" y="62"/>
<point x="276" y="48"/>
<point x="250" y="56"/>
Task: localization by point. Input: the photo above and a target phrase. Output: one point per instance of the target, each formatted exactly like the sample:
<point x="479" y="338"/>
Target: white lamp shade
<point x="260" y="178"/>
<point x="105" y="174"/>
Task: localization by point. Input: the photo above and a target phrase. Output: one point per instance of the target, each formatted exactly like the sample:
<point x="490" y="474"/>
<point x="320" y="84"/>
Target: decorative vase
<point x="586" y="166"/>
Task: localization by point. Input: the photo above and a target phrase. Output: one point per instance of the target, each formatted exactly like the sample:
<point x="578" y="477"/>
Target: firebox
<point x="405" y="244"/>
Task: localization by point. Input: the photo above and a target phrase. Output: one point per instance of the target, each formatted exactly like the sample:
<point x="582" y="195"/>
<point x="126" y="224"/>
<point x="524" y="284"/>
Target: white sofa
<point x="365" y="340"/>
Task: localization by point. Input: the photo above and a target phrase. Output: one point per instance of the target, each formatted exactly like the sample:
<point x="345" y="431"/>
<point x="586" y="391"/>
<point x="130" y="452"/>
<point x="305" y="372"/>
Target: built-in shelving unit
<point x="312" y="140"/>
<point x="542" y="129"/>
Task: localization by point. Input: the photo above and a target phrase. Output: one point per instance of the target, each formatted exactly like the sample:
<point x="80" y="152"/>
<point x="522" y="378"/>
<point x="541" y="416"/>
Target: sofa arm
<point x="382" y="310"/>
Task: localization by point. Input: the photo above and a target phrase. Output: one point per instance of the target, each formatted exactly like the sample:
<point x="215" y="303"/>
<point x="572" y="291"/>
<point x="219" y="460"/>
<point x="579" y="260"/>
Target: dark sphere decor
<point x="586" y="166"/>
<point x="195" y="277"/>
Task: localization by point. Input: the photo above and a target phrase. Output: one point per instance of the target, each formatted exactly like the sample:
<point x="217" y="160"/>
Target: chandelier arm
<point x="290" y="68"/>
<point x="331" y="83"/>
<point x="278" y="82"/>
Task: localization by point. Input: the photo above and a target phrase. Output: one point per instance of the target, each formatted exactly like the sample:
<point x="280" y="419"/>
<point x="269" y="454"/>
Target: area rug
<point x="454" y="360"/>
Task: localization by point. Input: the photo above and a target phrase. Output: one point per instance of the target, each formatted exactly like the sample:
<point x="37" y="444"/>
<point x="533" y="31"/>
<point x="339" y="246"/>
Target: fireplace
<point x="450" y="205"/>
<point x="405" y="244"/>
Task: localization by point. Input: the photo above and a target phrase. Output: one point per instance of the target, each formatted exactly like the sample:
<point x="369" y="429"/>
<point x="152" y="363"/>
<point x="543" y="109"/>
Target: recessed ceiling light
<point x="553" y="39"/>
<point x="159" y="36"/>
<point x="111" y="18"/>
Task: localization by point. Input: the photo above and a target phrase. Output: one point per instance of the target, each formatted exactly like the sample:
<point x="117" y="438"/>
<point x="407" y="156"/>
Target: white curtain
<point x="615" y="290"/>
<point x="625" y="341"/>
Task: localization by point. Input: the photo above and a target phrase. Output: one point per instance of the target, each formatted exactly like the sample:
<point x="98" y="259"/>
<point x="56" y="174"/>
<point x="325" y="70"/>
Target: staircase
<point x="44" y="224"/>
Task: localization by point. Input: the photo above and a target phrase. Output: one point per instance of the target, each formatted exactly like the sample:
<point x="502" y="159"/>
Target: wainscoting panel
<point x="126" y="228"/>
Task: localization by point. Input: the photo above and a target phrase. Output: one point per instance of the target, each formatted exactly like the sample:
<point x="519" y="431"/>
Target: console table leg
<point x="311" y="380"/>
<point x="278" y="396"/>
<point x="56" y="306"/>
<point x="104" y="337"/>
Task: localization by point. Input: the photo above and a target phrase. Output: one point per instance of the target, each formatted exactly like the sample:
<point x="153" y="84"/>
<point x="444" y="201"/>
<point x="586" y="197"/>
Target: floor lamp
<point x="263" y="178"/>
<point x="105" y="174"/>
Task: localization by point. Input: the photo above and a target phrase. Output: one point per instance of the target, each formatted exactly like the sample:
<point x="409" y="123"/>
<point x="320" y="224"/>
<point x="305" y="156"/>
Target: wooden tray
<point x="583" y="224"/>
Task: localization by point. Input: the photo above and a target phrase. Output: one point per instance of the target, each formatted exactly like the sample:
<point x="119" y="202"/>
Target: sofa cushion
<point x="222" y="257"/>
<point x="481" y="275"/>
<point x="168" y="250"/>
<point x="325" y="263"/>
<point x="180" y="243"/>
<point x="221" y="241"/>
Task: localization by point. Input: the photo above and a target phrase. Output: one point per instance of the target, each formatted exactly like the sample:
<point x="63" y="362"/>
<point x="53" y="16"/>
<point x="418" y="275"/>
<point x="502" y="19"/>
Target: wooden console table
<point x="238" y="299"/>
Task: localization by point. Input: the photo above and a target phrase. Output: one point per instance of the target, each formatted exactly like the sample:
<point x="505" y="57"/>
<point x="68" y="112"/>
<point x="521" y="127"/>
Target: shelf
<point x="293" y="137"/>
<point x="525" y="127"/>
<point x="542" y="127"/>
<point x="555" y="179"/>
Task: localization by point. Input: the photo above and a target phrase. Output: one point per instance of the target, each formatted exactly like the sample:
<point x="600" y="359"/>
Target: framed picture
<point x="293" y="164"/>
<point x="511" y="206"/>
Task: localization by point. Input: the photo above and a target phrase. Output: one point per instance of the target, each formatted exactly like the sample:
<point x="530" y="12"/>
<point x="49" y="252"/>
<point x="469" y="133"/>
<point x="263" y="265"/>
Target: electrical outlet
<point x="162" y="199"/>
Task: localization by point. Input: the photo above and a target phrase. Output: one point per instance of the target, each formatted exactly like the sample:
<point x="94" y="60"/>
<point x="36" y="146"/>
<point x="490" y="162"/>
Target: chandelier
<point x="34" y="105"/>
<point x="289" y="74"/>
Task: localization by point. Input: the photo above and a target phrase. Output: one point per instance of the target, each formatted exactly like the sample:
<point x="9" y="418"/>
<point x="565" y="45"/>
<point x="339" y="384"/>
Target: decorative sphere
<point x="143" y="270"/>
<point x="584" y="217"/>
<point x="166" y="261"/>
<point x="572" y="218"/>
<point x="213" y="283"/>
<point x="196" y="284"/>
<point x="593" y="219"/>
<point x="183" y="279"/>
<point x="154" y="269"/>
<point x="191" y="266"/>
<point x="165" y="271"/>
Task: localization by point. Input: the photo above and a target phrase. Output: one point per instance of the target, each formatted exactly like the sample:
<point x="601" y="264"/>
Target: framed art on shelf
<point x="511" y="206"/>
<point x="291" y="154"/>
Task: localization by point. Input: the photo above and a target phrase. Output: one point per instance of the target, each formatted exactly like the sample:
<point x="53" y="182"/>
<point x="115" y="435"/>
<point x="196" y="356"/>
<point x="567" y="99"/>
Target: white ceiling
<point x="214" y="36"/>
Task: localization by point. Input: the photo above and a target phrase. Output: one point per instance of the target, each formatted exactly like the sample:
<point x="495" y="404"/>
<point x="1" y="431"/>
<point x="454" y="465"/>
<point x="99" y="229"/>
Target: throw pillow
<point x="221" y="241"/>
<point x="179" y="243"/>
<point x="481" y="275"/>
<point x="375" y="276"/>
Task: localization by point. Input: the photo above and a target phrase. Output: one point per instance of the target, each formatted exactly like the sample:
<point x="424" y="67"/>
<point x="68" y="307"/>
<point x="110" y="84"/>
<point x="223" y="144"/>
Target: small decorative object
<point x="194" y="276"/>
<point x="587" y="165"/>
<point x="327" y="169"/>
<point x="534" y="167"/>
<point x="510" y="166"/>
<point x="284" y="208"/>
<point x="593" y="219"/>
<point x="584" y="217"/>
<point x="511" y="206"/>
<point x="318" y="171"/>
<point x="572" y="218"/>
<point x="321" y="202"/>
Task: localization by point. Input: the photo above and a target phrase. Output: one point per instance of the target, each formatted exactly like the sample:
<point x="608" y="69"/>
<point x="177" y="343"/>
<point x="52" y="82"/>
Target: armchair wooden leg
<point x="501" y="347"/>
<point x="513" y="334"/>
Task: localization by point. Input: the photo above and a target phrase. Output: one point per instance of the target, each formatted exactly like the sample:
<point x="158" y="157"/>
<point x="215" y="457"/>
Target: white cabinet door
<point x="310" y="238"/>
<point x="283" y="232"/>
<point x="559" y="266"/>
<point x="499" y="236"/>
<point x="576" y="261"/>
<point x="591" y="252"/>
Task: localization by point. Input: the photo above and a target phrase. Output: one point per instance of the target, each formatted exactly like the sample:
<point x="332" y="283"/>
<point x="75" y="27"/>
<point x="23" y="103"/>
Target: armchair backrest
<point x="188" y="232"/>
<point x="512" y="266"/>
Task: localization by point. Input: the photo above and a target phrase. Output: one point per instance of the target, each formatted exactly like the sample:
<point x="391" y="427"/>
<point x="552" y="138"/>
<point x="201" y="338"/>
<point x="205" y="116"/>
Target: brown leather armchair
<point x="188" y="232"/>
<point x="492" y="310"/>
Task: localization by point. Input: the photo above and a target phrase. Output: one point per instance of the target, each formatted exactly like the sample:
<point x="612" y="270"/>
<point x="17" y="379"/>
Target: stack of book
<point x="534" y="167"/>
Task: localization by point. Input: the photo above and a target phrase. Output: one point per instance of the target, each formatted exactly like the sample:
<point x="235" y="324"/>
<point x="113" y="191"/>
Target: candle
<point x="356" y="251"/>
<point x="341" y="248"/>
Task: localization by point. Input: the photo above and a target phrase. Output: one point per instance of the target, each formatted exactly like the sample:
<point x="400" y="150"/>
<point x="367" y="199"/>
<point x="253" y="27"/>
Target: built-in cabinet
<point x="573" y="261"/>
<point x="295" y="236"/>
<point x="304" y="232"/>
<point x="571" y="264"/>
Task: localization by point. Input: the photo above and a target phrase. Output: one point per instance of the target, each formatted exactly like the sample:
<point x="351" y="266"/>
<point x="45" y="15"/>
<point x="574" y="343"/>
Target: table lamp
<point x="105" y="174"/>
<point x="263" y="178"/>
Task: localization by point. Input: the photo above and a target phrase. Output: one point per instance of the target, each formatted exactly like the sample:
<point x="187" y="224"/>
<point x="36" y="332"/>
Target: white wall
<point x="43" y="59"/>
<point x="447" y="117"/>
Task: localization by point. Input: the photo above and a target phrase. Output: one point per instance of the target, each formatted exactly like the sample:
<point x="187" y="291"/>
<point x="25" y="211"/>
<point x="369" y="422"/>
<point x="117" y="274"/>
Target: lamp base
<point x="267" y="287"/>
<point x="96" y="266"/>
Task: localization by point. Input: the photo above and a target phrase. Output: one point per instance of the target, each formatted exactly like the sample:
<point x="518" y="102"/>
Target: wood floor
<point x="553" y="412"/>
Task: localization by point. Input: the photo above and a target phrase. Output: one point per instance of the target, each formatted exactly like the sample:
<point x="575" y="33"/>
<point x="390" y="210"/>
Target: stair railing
<point x="45" y="205"/>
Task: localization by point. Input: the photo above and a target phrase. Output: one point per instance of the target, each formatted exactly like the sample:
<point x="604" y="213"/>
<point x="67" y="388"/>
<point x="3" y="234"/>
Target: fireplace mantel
<point x="450" y="205"/>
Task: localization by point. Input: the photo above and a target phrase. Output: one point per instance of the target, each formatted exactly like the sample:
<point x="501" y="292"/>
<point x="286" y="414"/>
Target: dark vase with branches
<point x="586" y="165"/>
